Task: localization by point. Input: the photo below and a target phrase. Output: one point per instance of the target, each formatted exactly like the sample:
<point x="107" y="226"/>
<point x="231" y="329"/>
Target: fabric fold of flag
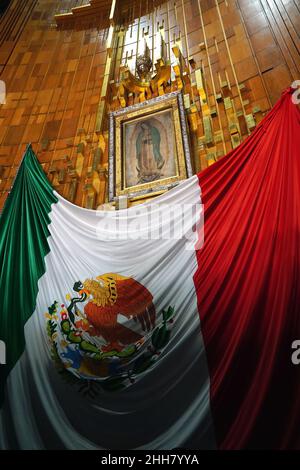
<point x="23" y="247"/>
<point x="124" y="332"/>
<point x="248" y="284"/>
<point x="113" y="354"/>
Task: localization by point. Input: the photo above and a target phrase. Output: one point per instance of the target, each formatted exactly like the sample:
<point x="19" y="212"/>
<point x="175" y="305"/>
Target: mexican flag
<point x="166" y="325"/>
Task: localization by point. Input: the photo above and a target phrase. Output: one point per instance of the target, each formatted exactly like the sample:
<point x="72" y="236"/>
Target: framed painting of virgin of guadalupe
<point x="149" y="148"/>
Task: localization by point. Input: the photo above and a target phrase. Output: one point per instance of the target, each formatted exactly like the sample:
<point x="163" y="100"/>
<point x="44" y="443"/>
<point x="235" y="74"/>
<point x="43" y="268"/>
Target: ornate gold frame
<point x="117" y="119"/>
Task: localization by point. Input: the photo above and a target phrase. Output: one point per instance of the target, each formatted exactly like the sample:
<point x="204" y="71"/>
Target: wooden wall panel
<point x="54" y="82"/>
<point x="273" y="31"/>
<point x="11" y="26"/>
<point x="249" y="52"/>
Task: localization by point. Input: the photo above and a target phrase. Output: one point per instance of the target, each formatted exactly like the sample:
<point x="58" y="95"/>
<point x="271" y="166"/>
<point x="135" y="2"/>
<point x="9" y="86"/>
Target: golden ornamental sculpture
<point x="141" y="82"/>
<point x="144" y="65"/>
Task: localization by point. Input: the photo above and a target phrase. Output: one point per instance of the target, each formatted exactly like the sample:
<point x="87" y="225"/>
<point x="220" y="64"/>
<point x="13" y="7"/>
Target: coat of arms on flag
<point x="89" y="339"/>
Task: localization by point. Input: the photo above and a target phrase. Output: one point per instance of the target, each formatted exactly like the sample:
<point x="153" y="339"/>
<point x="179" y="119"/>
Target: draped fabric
<point x="23" y="246"/>
<point x="123" y="331"/>
<point x="248" y="284"/>
<point x="114" y="355"/>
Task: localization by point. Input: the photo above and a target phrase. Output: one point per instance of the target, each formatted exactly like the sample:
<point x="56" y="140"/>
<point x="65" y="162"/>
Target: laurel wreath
<point x="159" y="339"/>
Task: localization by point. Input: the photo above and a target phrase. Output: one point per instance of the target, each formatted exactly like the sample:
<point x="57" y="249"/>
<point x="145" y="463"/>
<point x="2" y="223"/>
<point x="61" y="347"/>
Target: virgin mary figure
<point x="148" y="156"/>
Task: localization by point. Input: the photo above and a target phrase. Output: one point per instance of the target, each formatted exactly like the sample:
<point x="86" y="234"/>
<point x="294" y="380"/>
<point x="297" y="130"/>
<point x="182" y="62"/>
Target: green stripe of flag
<point x="23" y="247"/>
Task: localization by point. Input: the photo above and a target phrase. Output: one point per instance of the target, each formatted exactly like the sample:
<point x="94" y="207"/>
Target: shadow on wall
<point x="3" y="5"/>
